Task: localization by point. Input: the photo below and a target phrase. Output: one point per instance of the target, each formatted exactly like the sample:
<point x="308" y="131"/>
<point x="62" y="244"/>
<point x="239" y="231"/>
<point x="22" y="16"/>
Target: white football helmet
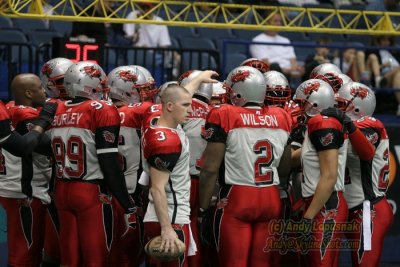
<point x="345" y="78"/>
<point x="85" y="79"/>
<point x="204" y="90"/>
<point x="356" y="99"/>
<point x="219" y="93"/>
<point x="329" y="73"/>
<point x="256" y="63"/>
<point x="245" y="85"/>
<point x="278" y="91"/>
<point x="52" y="76"/>
<point x="146" y="85"/>
<point x="313" y="96"/>
<point x="121" y="82"/>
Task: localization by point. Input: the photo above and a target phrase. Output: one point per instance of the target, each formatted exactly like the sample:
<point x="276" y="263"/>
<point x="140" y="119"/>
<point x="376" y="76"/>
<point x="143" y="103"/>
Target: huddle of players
<point x="95" y="145"/>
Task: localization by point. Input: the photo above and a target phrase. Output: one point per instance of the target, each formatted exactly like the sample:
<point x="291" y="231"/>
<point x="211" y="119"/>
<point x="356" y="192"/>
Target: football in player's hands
<point x="152" y="249"/>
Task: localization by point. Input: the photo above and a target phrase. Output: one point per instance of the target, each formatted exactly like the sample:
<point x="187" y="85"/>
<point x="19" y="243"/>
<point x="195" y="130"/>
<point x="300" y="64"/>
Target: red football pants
<point x="51" y="249"/>
<point x="195" y="260"/>
<point x="241" y="225"/>
<point x="326" y="245"/>
<point x="25" y="231"/>
<point x="86" y="223"/>
<point x="381" y="219"/>
<point x="153" y="229"/>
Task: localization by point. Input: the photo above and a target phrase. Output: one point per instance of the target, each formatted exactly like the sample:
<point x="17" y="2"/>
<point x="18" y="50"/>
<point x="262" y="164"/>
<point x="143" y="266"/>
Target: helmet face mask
<point x="245" y="85"/>
<point x="52" y="77"/>
<point x="85" y="79"/>
<point x="278" y="91"/>
<point x="313" y="96"/>
<point x="356" y="99"/>
<point x="257" y="64"/>
<point x="145" y="85"/>
<point x="329" y="73"/>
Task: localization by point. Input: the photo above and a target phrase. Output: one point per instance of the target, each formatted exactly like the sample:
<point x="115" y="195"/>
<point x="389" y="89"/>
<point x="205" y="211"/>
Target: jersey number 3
<point x="263" y="173"/>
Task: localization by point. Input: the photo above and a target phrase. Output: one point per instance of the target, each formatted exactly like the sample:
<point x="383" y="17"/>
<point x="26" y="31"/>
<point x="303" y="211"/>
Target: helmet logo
<point x="360" y="92"/>
<point x="47" y="69"/>
<point x="92" y="72"/>
<point x="127" y="76"/>
<point x="184" y="76"/>
<point x="311" y="87"/>
<point x="240" y="76"/>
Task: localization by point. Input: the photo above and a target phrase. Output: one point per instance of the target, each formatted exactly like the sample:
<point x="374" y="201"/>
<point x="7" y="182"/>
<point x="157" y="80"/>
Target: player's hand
<point x="208" y="76"/>
<point x="341" y="117"/>
<point x="168" y="239"/>
<point x="297" y="134"/>
<point x="46" y="115"/>
<point x="206" y="226"/>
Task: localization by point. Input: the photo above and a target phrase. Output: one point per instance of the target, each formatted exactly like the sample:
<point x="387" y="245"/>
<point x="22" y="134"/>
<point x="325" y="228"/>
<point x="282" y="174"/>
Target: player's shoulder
<point x="21" y="112"/>
<point x="319" y="122"/>
<point x="162" y="139"/>
<point x="369" y="122"/>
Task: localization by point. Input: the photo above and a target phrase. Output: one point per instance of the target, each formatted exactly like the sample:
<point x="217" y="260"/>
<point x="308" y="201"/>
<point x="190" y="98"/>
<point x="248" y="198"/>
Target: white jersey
<point x="193" y="128"/>
<point x="129" y="146"/>
<point x="322" y="133"/>
<point x="78" y="133"/>
<point x="368" y="180"/>
<point x="11" y="186"/>
<point x="168" y="149"/>
<point x="255" y="139"/>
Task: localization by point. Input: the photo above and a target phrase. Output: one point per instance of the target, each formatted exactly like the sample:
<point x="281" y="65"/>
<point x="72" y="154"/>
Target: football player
<point x="84" y="138"/>
<point x="24" y="180"/>
<point x="323" y="157"/>
<point x="250" y="140"/>
<point x="366" y="178"/>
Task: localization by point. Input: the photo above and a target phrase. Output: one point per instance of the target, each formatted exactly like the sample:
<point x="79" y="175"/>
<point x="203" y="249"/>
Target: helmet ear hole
<point x="238" y="96"/>
<point x="315" y="105"/>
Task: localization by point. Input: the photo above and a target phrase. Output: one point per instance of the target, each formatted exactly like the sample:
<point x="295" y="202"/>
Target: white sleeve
<point x="164" y="39"/>
<point x="129" y="28"/>
<point x="144" y="179"/>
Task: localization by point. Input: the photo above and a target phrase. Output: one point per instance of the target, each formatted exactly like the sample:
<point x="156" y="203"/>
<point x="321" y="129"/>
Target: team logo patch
<point x="92" y="72"/>
<point x="240" y="76"/>
<point x="160" y="164"/>
<point x="373" y="138"/>
<point x="206" y="134"/>
<point x="105" y="199"/>
<point x="109" y="137"/>
<point x="127" y="76"/>
<point x="327" y="139"/>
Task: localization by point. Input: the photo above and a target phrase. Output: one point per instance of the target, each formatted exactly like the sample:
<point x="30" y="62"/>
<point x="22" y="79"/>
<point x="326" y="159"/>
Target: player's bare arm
<point x="204" y="77"/>
<point x="159" y="179"/>
<point x="328" y="162"/>
<point x="213" y="156"/>
<point x="285" y="163"/>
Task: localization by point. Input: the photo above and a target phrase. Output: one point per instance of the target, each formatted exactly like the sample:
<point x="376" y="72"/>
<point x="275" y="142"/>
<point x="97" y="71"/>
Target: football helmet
<point x="256" y="63"/>
<point x="345" y="78"/>
<point x="278" y="91"/>
<point x="121" y="82"/>
<point x="205" y="89"/>
<point x="85" y="79"/>
<point x="329" y="73"/>
<point x="356" y="99"/>
<point x="145" y="85"/>
<point x="52" y="76"/>
<point x="245" y="85"/>
<point x="313" y="96"/>
<point x="218" y="94"/>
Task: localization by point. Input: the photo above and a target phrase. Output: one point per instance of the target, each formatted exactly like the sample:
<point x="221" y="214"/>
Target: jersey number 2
<point x="263" y="173"/>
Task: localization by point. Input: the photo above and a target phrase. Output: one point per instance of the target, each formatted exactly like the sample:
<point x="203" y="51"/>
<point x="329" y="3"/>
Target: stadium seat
<point x="230" y="47"/>
<point x="5" y="22"/>
<point x="174" y="43"/>
<point x="295" y="36"/>
<point x="246" y="34"/>
<point x="215" y="33"/>
<point x="176" y="32"/>
<point x="303" y="52"/>
<point x="40" y="37"/>
<point x="197" y="43"/>
<point x="28" y="25"/>
<point x="232" y="61"/>
<point x="63" y="27"/>
<point x="199" y="61"/>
